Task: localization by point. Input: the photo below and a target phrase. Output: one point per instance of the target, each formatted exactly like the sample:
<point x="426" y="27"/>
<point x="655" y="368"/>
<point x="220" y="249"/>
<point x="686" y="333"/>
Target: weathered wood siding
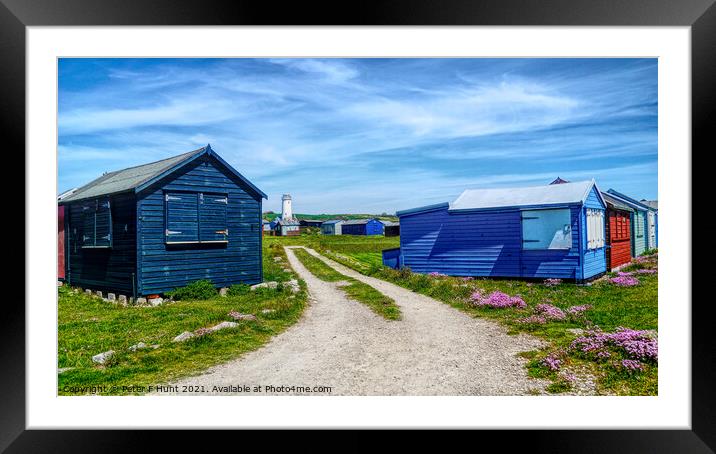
<point x="165" y="267"/>
<point x="60" y="242"/>
<point x="106" y="269"/>
<point x="486" y="243"/>
<point x="594" y="261"/>
<point x="638" y="233"/>
<point x="618" y="238"/>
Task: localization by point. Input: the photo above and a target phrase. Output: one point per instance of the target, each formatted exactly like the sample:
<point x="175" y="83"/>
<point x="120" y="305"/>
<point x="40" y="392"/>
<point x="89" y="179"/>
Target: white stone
<point x="277" y="259"/>
<point x="287" y="270"/>
<point x="186" y="335"/>
<point x="138" y="346"/>
<point x="224" y="325"/>
<point x="88" y="291"/>
<point x="59" y="283"/>
<point x="156" y="301"/>
<point x="223" y="291"/>
<point x="102" y="358"/>
<point x="62" y="370"/>
<point x="238" y="316"/>
<point x="141" y="300"/>
<point x="98" y="293"/>
<point x="122" y="300"/>
<point x="111" y="297"/>
<point x="294" y="285"/>
<point x="270" y="284"/>
<point x="267" y="311"/>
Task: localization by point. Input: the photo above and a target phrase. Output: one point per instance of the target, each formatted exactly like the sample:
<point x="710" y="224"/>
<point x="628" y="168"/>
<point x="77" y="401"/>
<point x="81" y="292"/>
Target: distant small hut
<point x="391" y="228"/>
<point x="288" y="227"/>
<point x="362" y="227"/>
<point x="310" y="222"/>
<point x="332" y="227"/>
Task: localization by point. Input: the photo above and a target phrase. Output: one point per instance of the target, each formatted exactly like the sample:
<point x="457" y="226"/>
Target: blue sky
<point x="367" y="135"/>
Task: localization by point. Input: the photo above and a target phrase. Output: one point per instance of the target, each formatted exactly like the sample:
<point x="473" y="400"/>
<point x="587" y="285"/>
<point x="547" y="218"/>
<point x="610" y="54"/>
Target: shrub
<point x="239" y="289"/>
<point x="404" y="272"/>
<point x="198" y="290"/>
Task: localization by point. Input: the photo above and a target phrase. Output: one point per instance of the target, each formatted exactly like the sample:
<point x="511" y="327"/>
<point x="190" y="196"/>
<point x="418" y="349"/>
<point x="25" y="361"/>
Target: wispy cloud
<point x="367" y="134"/>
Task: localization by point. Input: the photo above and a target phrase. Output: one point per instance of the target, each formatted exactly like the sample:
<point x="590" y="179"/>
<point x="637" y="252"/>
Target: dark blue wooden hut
<point x="362" y="227"/>
<point x="553" y="231"/>
<point x="159" y="226"/>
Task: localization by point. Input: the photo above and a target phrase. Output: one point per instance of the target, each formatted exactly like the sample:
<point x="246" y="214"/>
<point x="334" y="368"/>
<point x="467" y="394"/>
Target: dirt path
<point x="342" y="344"/>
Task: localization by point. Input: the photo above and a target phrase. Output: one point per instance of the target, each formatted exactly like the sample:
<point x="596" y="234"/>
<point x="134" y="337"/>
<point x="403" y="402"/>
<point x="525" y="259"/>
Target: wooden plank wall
<point x="485" y="243"/>
<point x="106" y="269"/>
<point x="165" y="267"/>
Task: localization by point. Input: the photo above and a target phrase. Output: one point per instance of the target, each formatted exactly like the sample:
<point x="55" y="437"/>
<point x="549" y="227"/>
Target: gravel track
<point x="340" y="343"/>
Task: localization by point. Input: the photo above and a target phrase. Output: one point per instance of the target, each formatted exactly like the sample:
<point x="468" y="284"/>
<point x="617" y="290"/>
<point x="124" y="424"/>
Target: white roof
<point x="527" y="196"/>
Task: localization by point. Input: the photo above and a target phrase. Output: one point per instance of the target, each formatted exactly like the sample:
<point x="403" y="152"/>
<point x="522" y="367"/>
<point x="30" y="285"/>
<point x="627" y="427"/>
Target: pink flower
<point x="578" y="310"/>
<point x="549" y="311"/>
<point x="497" y="299"/>
<point x="632" y="365"/>
<point x="552" y="362"/>
<point x="533" y="319"/>
<point x="638" y="345"/>
<point x="625" y="281"/>
<point x="646" y="271"/>
<point x="551" y="282"/>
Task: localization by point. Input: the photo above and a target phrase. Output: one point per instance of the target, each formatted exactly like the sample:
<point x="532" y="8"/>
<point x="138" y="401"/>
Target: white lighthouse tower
<point x="286" y="209"/>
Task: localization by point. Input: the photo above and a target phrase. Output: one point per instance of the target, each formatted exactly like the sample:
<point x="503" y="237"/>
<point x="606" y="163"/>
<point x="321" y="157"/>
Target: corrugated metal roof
<point x="130" y="178"/>
<point x="616" y="203"/>
<point x="356" y="221"/>
<point x="553" y="194"/>
<point x="389" y="223"/>
<point x="639" y="206"/>
<point x="334" y="221"/>
<point x="287" y="222"/>
<point x="66" y="194"/>
<point x="651" y="203"/>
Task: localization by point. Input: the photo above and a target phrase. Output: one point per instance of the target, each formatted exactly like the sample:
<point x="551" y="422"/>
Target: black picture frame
<point x="700" y="15"/>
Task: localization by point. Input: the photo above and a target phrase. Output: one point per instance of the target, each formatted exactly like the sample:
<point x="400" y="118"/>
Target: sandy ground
<point x="342" y="344"/>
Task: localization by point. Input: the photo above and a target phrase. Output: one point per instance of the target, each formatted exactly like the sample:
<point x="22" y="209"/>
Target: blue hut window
<point x="97" y="224"/>
<point x="546" y="229"/>
<point x="196" y="217"/>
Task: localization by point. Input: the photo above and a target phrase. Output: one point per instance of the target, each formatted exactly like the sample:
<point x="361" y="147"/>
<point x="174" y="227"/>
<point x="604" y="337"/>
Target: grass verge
<point x="87" y="325"/>
<point x="357" y="290"/>
<point x="610" y="307"/>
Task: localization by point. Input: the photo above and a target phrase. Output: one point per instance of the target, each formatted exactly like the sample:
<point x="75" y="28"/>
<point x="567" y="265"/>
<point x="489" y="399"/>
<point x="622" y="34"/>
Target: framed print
<point x="477" y="217"/>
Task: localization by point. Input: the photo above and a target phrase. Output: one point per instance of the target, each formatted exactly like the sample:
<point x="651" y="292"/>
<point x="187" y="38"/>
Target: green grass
<point x="612" y="306"/>
<point x="88" y="325"/>
<point x="359" y="291"/>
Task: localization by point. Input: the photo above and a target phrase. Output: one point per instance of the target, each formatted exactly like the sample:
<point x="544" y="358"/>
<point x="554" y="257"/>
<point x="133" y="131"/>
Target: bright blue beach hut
<point x="552" y="231"/>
